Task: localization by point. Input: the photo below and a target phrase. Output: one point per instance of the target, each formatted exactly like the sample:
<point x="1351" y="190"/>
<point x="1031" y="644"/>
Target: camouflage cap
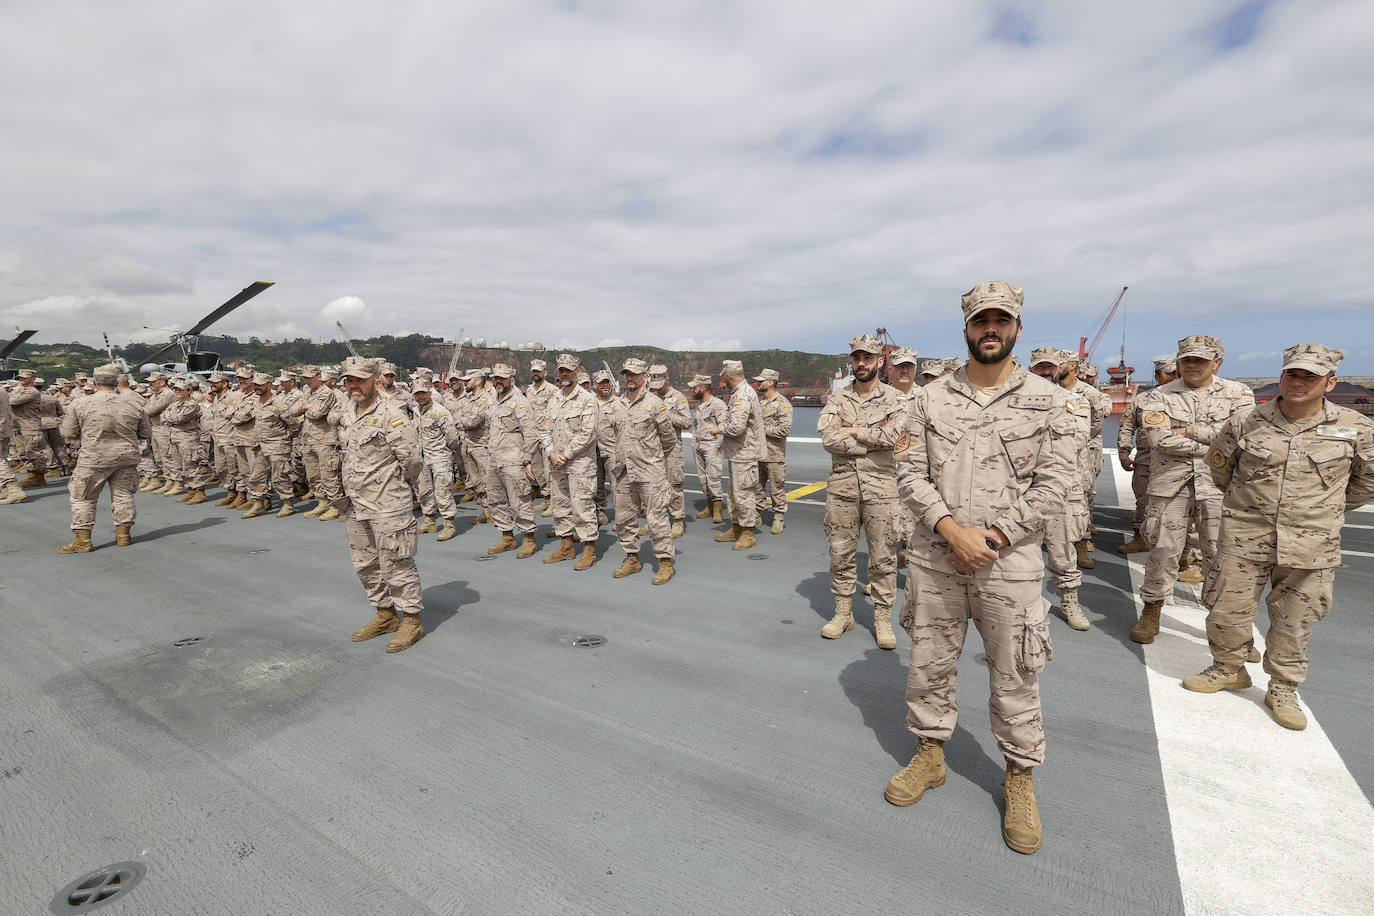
<point x="329" y="373"/>
<point x="700" y="379"/>
<point x="1069" y="356"/>
<point x="180" y="384"/>
<point x="261" y="378"/>
<point x="59" y="382"/>
<point x="634" y="366"/>
<point x="767" y="375"/>
<point x="360" y="367"/>
<point x="1200" y="345"/>
<point x="80" y="376"/>
<point x="385" y="368"/>
<point x="602" y="375"/>
<point x="1045" y="355"/>
<point x="26" y="373"/>
<point x="866" y="343"/>
<point x="732" y="366"/>
<point x="107" y="374"/>
<point x="501" y="370"/>
<point x="1315" y="358"/>
<point x="658" y="369"/>
<point x="538" y="365"/>
<point x="903" y="356"/>
<point x="456" y="374"/>
<point x="486" y="372"/>
<point x="582" y="378"/>
<point x="421" y="370"/>
<point x="286" y="376"/>
<point x="422" y="386"/>
<point x="566" y="361"/>
<point x="216" y="376"/>
<point x="310" y="372"/>
<point x="472" y="374"/>
<point x="243" y="372"/>
<point x="40" y="381"/>
<point x="1166" y="364"/>
<point x="1086" y="369"/>
<point x="934" y="367"/>
<point x="994" y="294"/>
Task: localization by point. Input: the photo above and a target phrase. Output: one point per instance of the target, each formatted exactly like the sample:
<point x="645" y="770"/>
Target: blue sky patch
<point x="1240" y="26"/>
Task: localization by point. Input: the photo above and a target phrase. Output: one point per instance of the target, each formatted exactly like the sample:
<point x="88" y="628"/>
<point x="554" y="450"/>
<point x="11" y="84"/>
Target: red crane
<point x="1085" y="352"/>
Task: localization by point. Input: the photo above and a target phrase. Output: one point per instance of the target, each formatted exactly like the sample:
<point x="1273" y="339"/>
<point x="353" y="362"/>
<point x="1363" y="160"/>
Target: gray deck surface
<point x="716" y="755"/>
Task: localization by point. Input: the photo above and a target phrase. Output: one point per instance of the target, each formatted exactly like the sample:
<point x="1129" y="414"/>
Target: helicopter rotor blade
<point x="16" y="343"/>
<point x="152" y="357"/>
<point x="248" y="292"/>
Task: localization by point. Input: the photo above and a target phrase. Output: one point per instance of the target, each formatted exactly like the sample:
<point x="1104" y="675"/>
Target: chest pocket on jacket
<point x="1023" y="447"/>
<point x="508" y="422"/>
<point x="942" y="439"/>
<point x="1332" y="461"/>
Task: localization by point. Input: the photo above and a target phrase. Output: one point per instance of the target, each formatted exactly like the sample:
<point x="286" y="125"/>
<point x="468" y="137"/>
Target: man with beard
<point x="1065" y="530"/>
<point x="437" y="438"/>
<point x="991" y="457"/>
<point x="680" y="415"/>
<point x="902" y="378"/>
<point x="381" y="467"/>
<point x="513" y="439"/>
<point x="239" y="413"/>
<point x="569" y="440"/>
<point x="538" y="392"/>
<point x="710" y="413"/>
<point x="1179" y="421"/>
<point x="743" y="446"/>
<point x="1166" y="370"/>
<point x="473" y="421"/>
<point x="860" y="426"/>
<point x="777" y="426"/>
<point x="608" y="405"/>
<point x="644" y="434"/>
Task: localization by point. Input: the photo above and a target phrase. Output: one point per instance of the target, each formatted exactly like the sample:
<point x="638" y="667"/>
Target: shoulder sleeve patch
<point x="398" y="421"/>
<point x="1216" y="459"/>
<point x="1154" y="419"/>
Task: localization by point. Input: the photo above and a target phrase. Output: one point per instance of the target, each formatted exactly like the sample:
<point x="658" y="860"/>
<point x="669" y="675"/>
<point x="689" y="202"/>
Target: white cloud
<point x="608" y="342"/>
<point x="773" y="174"/>
<point x="709" y="344"/>
<point x="1248" y="357"/>
<point x="345" y="307"/>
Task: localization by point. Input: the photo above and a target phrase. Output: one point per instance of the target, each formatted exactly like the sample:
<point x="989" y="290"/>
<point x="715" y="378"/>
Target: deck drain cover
<point x="98" y="888"/>
<point x="756" y="556"/>
<point x="588" y="642"/>
<point x="261" y="550"/>
<point x="484" y="556"/>
<point x="187" y="641"/>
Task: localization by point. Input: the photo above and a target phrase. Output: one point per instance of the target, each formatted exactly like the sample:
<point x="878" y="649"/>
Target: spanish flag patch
<point x="398" y="421"/>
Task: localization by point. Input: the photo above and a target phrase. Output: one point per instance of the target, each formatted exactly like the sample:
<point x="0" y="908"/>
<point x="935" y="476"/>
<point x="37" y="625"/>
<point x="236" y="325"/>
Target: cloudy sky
<point x="698" y="175"/>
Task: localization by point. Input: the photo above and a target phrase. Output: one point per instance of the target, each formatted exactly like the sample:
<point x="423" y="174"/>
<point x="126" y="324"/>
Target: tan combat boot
<point x="1191" y="574"/>
<point x="528" y="547"/>
<point x="288" y="508"/>
<point x="185" y="494"/>
<point x="777" y="525"/>
<point x="164" y="488"/>
<point x="259" y="508"/>
<point x="243" y="502"/>
<point x="1147" y="627"/>
<point x="628" y="568"/>
<point x="1069" y="609"/>
<point x="229" y="497"/>
<point x="882" y="627"/>
<point x="196" y="497"/>
<point x="469" y="496"/>
<point x="1136" y="544"/>
<point x="602" y="518"/>
<point x="1252" y="655"/>
<point x="706" y="510"/>
<point x="81" y="543"/>
<point x="484" y="518"/>
<point x="458" y="487"/>
<point x="145" y="484"/>
<point x="317" y="511"/>
<point x="664" y="573"/>
<point x="1282" y="698"/>
<point x="678" y="529"/>
<point x="35" y="479"/>
<point x="12" y="493"/>
<point x="448" y="532"/>
<point x="408" y="635"/>
<point x="331" y="515"/>
<point x="178" y="488"/>
<point x="745" y="541"/>
<point x="385" y="622"/>
<point x="1085" y="554"/>
<point x="587" y="558"/>
<point x="731" y="535"/>
<point x="546" y="512"/>
<point x="53" y="472"/>
<point x="925" y="771"/>
<point x="507" y="542"/>
<point x="564" y="551"/>
<point x="843" y="621"/>
<point x="123" y="536"/>
<point x="1217" y="676"/>
<point x="715" y="511"/>
<point x="1021" y="823"/>
<point x="644" y="529"/>
<point x="429" y="526"/>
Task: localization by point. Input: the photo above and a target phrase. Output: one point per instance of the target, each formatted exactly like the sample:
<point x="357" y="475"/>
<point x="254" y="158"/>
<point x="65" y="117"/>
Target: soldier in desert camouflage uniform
<point x="902" y="378"/>
<point x="743" y="445"/>
<point x="861" y="425"/>
<point x="1179" y="421"/>
<point x="709" y="413"/>
<point x="644" y="434"/>
<point x="680" y="415"/>
<point x="537" y="393"/>
<point x="991" y="457"/>
<point x="569" y="439"/>
<point x="608" y="404"/>
<point x="182" y="421"/>
<point x="512" y="442"/>
<point x="777" y="426"/>
<point x="437" y="437"/>
<point x="1289" y="470"/>
<point x="1166" y="370"/>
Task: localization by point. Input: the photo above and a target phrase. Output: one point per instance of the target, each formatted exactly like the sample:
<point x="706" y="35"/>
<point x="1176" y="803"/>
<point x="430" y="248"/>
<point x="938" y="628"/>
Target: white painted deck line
<point x="1264" y="820"/>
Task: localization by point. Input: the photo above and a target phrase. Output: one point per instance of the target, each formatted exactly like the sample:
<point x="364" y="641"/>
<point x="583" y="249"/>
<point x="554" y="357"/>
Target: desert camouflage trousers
<point x="1298" y="598"/>
<point x="383" y="555"/>
<point x="436" y="488"/>
<point x="1092" y="467"/>
<point x="772" y="483"/>
<point x="6" y="472"/>
<point x="572" y="499"/>
<point x="183" y="461"/>
<point x="323" y="468"/>
<point x="1013" y="619"/>
<point x="878" y="517"/>
<point x="1140" y="484"/>
<point x="161" y="445"/>
<point x="84" y="489"/>
<point x="270" y="469"/>
<point x="147" y="467"/>
<point x="1062" y="531"/>
<point x="226" y="462"/>
<point x="744" y="485"/>
<point x="677" y="474"/>
<point x="55" y="448"/>
<point x="603" y="476"/>
<point x="708" y="469"/>
<point x="650" y="499"/>
<point x="1167" y="519"/>
<point x="477" y="463"/>
<point x="508" y="499"/>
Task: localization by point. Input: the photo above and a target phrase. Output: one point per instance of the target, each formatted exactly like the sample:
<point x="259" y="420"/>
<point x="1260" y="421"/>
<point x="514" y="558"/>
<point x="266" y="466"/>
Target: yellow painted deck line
<point x="806" y="490"/>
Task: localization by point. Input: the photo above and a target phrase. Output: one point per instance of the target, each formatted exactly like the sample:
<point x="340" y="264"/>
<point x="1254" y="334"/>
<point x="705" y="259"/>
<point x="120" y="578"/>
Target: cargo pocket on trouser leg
<point x="396" y="536"/>
<point x="1035" y="649"/>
